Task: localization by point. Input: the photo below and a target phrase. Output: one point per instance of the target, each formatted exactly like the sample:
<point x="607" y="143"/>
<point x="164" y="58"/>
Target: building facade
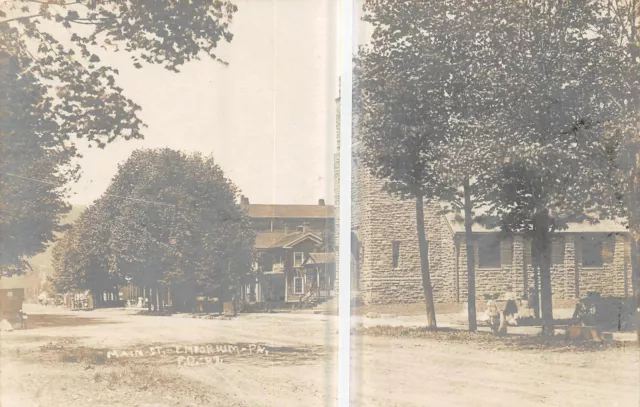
<point x="289" y="239"/>
<point x="385" y="260"/>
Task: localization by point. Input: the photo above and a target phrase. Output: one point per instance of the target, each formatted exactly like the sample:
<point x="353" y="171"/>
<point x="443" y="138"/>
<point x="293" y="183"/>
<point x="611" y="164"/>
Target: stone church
<point x="386" y="262"/>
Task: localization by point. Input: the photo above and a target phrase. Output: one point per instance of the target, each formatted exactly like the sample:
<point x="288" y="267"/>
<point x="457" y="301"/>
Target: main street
<point x="61" y="360"/>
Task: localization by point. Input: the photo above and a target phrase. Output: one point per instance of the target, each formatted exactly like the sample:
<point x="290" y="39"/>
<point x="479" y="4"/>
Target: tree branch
<point x="20" y="18"/>
<point x="52" y="3"/>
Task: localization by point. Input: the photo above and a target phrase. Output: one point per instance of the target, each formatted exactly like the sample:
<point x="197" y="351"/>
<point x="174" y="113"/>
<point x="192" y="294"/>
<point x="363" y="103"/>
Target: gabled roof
<point x="293" y="239"/>
<point x="290" y="211"/>
<point x="267" y="240"/>
<point x="320" y="258"/>
<point x="272" y="240"/>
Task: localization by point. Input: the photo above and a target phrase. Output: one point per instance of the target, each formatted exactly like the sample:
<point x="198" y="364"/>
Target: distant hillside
<point x="74" y="214"/>
<point x="41" y="263"/>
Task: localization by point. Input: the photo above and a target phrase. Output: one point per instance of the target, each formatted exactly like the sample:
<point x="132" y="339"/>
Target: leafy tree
<point x="564" y="73"/>
<point x="169" y="220"/>
<point x="55" y="91"/>
<point x="428" y="97"/>
<point x="64" y="259"/>
<point x="624" y="15"/>
<point x="82" y="260"/>
<point x="30" y="211"/>
<point x="450" y="91"/>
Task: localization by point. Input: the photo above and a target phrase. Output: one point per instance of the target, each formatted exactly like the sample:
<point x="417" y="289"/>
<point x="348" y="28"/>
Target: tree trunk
<point x="546" y="302"/>
<point x="424" y="264"/>
<point x="536" y="287"/>
<point x="150" y="303"/>
<point x="543" y="246"/>
<point x="471" y="258"/>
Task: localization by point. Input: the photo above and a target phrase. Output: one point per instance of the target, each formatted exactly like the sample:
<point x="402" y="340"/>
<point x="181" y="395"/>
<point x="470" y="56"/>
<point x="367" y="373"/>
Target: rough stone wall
<point x="569" y="279"/>
<point x="492" y="280"/>
<point x="518" y="268"/>
<point x="570" y="268"/>
<point x="528" y="272"/>
<point x="608" y="280"/>
<point x="461" y="269"/>
<point x="618" y="274"/>
<point x="558" y="266"/>
<point x="558" y="275"/>
<point x="385" y="219"/>
<point x="627" y="263"/>
<point x="379" y="219"/>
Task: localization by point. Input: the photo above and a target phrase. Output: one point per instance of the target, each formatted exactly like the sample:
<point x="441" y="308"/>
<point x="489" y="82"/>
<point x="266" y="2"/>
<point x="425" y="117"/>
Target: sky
<point x="268" y="117"/>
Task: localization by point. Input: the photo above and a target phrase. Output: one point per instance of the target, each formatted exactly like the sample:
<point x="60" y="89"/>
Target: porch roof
<point x="267" y="240"/>
<point x="456" y="222"/>
<point x="273" y="273"/>
<point x="273" y="240"/>
<point x="320" y="258"/>
<point x="292" y="239"/>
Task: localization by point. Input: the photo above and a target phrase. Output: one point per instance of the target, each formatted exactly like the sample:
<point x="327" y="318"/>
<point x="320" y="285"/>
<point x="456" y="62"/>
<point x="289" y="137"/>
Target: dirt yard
<point x="115" y="358"/>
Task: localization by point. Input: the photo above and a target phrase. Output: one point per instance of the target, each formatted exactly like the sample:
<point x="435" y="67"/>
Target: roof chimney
<point x="321" y="202"/>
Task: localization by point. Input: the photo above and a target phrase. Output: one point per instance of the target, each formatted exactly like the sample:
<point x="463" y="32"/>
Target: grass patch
<point x="131" y="375"/>
<point x="155" y="313"/>
<point x="148" y="379"/>
<point x="489" y="340"/>
<point x="67" y="351"/>
<point x="57" y="345"/>
<point x="82" y="355"/>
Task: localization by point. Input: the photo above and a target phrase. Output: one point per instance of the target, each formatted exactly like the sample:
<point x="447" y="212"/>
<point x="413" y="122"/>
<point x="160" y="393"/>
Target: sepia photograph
<point x="166" y="184"/>
<point x="494" y="221"/>
<point x="368" y="203"/>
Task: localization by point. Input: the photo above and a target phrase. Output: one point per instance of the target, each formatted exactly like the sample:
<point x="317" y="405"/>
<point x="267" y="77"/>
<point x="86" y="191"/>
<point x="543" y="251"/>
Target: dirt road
<point x="62" y="360"/>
